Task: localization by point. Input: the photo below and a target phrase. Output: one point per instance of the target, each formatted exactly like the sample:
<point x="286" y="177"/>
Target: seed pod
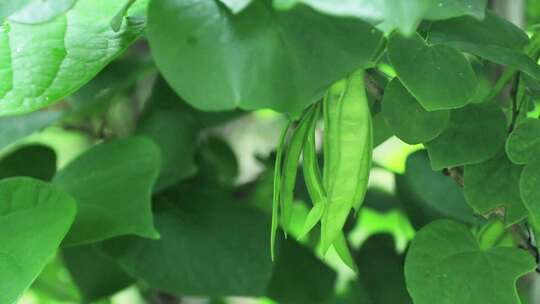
<point x="290" y="165"/>
<point x="348" y="145"/>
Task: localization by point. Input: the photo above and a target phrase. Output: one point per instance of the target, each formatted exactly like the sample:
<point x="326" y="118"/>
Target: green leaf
<point x="400" y="108"/>
<point x="54" y="282"/>
<point x="445" y="264"/>
<point x="381" y="271"/>
<point x="176" y="138"/>
<point x="523" y="144"/>
<point x="42" y="165"/>
<point x="34" y="217"/>
<point x="439" y="76"/>
<point x="299" y="277"/>
<point x="236" y="6"/>
<point x="64" y="54"/>
<point x="112" y="183"/>
<point x="96" y="274"/>
<point x="198" y="226"/>
<point x="256" y="59"/>
<point x="166" y="111"/>
<point x="405" y="15"/>
<point x="475" y="134"/>
<point x="381" y="129"/>
<point x="431" y="194"/>
<point x="493" y="38"/>
<point x="530" y="192"/>
<point x="218" y="161"/>
<point x="13" y="129"/>
<point x="40" y="11"/>
<point x="8" y="7"/>
<point x="494" y="184"/>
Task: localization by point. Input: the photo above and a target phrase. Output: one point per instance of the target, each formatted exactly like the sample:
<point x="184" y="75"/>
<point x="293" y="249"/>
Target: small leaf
<point x="530" y="192"/>
<point x="400" y="108"/>
<point x="523" y="144"/>
<point x="475" y="134"/>
<point x="439" y="76"/>
<point x="40" y="11"/>
<point x="446" y="263"/>
<point x="64" y="54"/>
<point x="190" y="40"/>
<point x="96" y="274"/>
<point x="495" y="184"/>
<point x="34" y="217"/>
<point x="112" y="184"/>
<point x="494" y="38"/>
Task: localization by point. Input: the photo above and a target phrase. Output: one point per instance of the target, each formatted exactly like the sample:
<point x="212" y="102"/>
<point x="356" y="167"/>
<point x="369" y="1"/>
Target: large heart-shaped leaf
<point x="256" y="59"/>
<point x="43" y="63"/>
<point x="475" y="134"/>
<point x="494" y="184"/>
<point x="493" y="38"/>
<point x="198" y="225"/>
<point x="447" y="265"/>
<point x="399" y="108"/>
<point x="34" y="217"/>
<point x="112" y="184"/>
<point x="439" y="76"/>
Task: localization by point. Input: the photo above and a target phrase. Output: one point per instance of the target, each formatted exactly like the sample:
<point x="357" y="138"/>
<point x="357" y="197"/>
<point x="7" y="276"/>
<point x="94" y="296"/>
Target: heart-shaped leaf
<point x="495" y="184"/>
<point x="256" y="59"/>
<point x="34" y="217"/>
<point x="194" y="227"/>
<point x="112" y="184"/>
<point x="475" y="134"/>
<point x="400" y="108"/>
<point x="446" y="264"/>
<point x="439" y="76"/>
